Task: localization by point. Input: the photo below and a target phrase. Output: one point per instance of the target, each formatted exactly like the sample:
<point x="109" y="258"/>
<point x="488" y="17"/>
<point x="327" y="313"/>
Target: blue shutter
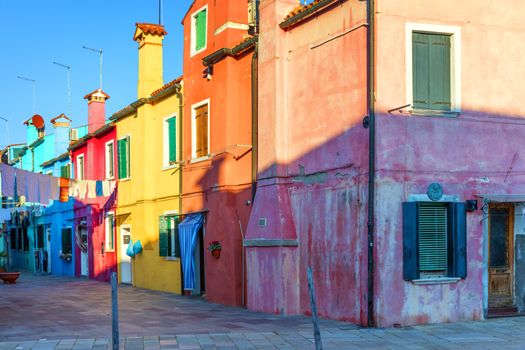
<point x="410" y="241"/>
<point x="458" y="239"/>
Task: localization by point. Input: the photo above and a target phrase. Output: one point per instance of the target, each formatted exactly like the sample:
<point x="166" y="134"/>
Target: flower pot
<point x="9" y="277"/>
<point x="216" y="253"/>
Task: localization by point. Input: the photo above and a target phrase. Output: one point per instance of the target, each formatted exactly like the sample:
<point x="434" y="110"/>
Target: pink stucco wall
<point x="475" y="153"/>
<point x="312" y="154"/>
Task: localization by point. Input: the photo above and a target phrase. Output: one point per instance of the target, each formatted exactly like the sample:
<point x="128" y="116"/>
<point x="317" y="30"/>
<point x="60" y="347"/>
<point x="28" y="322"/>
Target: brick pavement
<point x="58" y="313"/>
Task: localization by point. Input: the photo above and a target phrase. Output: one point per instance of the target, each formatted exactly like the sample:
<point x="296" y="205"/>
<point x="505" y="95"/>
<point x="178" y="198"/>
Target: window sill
<point x="171" y="258"/>
<point x="436" y="280"/>
<point x="169" y="167"/>
<point x="434" y="113"/>
<point x="124" y="180"/>
<point x="200" y="159"/>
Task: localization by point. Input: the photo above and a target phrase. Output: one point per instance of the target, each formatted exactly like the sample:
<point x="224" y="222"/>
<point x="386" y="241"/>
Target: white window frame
<point x="455" y="60"/>
<point x="106" y="231"/>
<point x="110" y="162"/>
<point x="78" y="167"/>
<point x="193" y="35"/>
<point x="170" y="215"/>
<point x="194" y="130"/>
<point x="166" y="143"/>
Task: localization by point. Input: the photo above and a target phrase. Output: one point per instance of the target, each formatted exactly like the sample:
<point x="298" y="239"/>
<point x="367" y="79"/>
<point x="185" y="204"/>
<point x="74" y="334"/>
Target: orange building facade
<point x="217" y="152"/>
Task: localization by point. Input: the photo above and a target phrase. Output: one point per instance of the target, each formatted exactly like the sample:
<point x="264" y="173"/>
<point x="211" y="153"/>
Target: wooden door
<point x="501" y="257"/>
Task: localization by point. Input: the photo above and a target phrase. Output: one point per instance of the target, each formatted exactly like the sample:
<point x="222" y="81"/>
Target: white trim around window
<point x="194" y="130"/>
<point x="193" y="34"/>
<point x="166" y="142"/>
<point x="110" y="162"/>
<point x="455" y="59"/>
<point x="80" y="168"/>
<point x="110" y="218"/>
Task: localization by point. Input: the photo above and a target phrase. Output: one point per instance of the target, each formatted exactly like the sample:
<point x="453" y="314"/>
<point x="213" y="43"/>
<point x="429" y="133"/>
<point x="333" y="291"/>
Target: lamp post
<point x="34" y="91"/>
<point x="7" y="130"/>
<point x="68" y="87"/>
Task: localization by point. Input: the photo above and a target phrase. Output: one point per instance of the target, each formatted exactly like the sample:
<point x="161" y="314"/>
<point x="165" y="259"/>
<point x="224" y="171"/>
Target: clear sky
<point x="38" y="32"/>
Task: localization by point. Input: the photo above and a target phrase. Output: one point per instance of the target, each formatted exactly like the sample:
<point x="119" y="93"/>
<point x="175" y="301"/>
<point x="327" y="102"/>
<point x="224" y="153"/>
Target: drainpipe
<point x="371" y="159"/>
<point x="255" y="117"/>
<point x="180" y="126"/>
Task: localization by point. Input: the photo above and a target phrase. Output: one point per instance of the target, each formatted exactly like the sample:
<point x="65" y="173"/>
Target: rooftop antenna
<point x="34" y="91"/>
<point x="100" y="54"/>
<point x="68" y="86"/>
<point x="7" y="130"/>
<point x="160" y="12"/>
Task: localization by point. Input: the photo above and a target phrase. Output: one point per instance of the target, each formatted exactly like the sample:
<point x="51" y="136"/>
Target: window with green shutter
<point x="168" y="236"/>
<point x="431" y="74"/>
<point x="65" y="171"/>
<point x="67" y="241"/>
<point x="434" y="240"/>
<point x="200" y="29"/>
<point x="123" y="158"/>
<point x="163" y="236"/>
<point x="172" y="139"/>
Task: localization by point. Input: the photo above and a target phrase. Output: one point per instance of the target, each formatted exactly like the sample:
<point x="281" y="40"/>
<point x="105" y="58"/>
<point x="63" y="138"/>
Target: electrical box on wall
<point x="472" y="205"/>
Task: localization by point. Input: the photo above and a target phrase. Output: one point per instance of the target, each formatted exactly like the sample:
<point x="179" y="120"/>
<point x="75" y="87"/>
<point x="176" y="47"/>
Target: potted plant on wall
<point x="215" y="248"/>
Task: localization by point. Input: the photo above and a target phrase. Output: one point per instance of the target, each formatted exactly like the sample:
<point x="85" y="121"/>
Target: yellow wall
<point x="151" y="191"/>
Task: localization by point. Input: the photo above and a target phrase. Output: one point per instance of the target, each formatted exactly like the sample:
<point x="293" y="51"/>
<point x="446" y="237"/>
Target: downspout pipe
<point x="180" y="155"/>
<point x="371" y="158"/>
<point x="255" y="118"/>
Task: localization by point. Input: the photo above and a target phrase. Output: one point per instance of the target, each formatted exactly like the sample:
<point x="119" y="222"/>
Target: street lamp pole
<point x="34" y="90"/>
<point x="68" y="87"/>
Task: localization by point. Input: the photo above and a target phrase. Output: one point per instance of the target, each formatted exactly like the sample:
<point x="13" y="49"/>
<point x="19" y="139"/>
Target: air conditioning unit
<point x="73" y="135"/>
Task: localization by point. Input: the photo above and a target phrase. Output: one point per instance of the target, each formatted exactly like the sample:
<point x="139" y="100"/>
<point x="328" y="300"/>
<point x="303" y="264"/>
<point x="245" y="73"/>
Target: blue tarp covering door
<point x="188" y="235"/>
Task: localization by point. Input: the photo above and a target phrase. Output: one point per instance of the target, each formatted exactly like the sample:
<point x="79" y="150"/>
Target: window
<point x="80" y="167"/>
<point x="169" y="236"/>
<point x="110" y="232"/>
<point x="26" y="238"/>
<point x="199" y="28"/>
<point x="65" y="171"/>
<point x="110" y="160"/>
<point x="14" y="239"/>
<point x="39" y="244"/>
<point x="434" y="240"/>
<point x="66" y="241"/>
<point x="433" y="59"/>
<point x="123" y="158"/>
<point x="169" y="141"/>
<point x="200" y="131"/>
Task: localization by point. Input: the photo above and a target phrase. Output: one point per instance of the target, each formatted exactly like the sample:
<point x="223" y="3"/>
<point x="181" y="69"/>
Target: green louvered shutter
<point x="431" y="71"/>
<point x="439" y="52"/>
<point x="123" y="158"/>
<point x="420" y="71"/>
<point x="432" y="231"/>
<point x="65" y="171"/>
<point x="163" y="236"/>
<point x="172" y="139"/>
<point x="200" y="30"/>
<point x="177" y="243"/>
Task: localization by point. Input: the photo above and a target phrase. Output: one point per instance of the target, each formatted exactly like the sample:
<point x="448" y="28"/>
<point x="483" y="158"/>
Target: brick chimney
<point x="96" y="109"/>
<point x="149" y="37"/>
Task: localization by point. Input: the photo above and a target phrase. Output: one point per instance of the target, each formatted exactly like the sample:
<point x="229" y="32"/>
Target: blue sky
<point x="36" y="33"/>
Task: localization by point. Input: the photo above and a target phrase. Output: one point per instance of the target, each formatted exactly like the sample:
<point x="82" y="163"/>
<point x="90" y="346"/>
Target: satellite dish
<point x="38" y="121"/>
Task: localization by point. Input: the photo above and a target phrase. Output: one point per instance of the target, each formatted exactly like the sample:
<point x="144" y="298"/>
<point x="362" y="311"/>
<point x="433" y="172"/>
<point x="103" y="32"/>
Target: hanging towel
<point x="44" y="188"/>
<point x="73" y="188"/>
<point x="99" y="189"/>
<point x="188" y="231"/>
<point x="64" y="189"/>
<point x="91" y="189"/>
<point x="54" y="188"/>
<point x="108" y="187"/>
<point x="5" y="215"/>
<point x="8" y="180"/>
<point x="21" y="186"/>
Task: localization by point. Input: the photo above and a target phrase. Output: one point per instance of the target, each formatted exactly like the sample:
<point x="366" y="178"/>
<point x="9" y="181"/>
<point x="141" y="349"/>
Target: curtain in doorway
<point x="188" y="231"/>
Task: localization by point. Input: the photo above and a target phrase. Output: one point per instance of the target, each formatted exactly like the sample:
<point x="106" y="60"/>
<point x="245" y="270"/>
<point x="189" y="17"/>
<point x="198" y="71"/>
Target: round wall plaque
<point x="434" y="191"/>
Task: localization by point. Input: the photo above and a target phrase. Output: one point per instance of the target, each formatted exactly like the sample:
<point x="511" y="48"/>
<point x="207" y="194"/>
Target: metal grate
<point x="432" y="237"/>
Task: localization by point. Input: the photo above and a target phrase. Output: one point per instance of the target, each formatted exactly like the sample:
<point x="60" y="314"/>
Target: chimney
<point x="96" y="109"/>
<point x="61" y="124"/>
<point x="149" y="37"/>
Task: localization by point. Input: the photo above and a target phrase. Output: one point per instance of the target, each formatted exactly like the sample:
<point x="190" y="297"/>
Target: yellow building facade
<point x="148" y="149"/>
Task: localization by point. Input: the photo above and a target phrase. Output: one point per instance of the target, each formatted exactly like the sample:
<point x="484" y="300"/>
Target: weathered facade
<point x="217" y="142"/>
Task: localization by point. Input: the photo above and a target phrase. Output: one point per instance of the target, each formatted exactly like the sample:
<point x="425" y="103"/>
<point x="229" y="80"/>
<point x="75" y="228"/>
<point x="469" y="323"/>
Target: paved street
<point x="58" y="313"/>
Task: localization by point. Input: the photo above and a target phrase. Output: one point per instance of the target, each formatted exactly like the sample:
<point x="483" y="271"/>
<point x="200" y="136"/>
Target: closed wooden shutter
<point x="163" y="236"/>
<point x="200" y="30"/>
<point x="66" y="241"/>
<point x="431" y="71"/>
<point x="458" y="239"/>
<point x="172" y="139"/>
<point x="201" y="125"/>
<point x="432" y="231"/>
<point x="123" y="158"/>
